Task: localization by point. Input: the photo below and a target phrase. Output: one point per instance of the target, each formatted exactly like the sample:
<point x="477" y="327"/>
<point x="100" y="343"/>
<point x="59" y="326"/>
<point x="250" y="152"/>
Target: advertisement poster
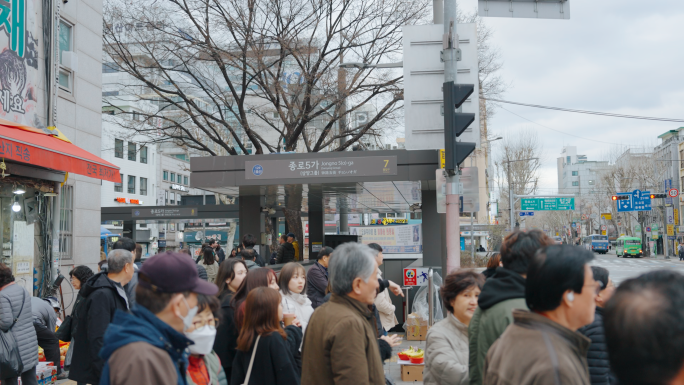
<point x="406" y="239"/>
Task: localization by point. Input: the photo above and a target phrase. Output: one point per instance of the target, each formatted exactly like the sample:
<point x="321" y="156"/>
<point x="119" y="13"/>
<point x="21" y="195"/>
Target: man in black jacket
<point x="286" y="252"/>
<point x="218" y="250"/>
<point x="248" y="242"/>
<point x="597" y="358"/>
<point x="317" y="277"/>
<point x="102" y="295"/>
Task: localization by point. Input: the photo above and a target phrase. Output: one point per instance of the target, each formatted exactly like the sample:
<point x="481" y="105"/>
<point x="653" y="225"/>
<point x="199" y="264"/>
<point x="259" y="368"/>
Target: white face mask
<point x="203" y="339"/>
<point x="187" y="320"/>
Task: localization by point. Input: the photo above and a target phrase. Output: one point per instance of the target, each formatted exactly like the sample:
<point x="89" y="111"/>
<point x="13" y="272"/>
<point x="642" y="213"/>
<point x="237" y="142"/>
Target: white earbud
<point x="570" y="296"/>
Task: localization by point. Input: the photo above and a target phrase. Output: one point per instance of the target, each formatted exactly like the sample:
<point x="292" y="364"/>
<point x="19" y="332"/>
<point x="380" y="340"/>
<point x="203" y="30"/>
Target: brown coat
<point x="536" y="350"/>
<point x="142" y="362"/>
<point x="340" y="346"/>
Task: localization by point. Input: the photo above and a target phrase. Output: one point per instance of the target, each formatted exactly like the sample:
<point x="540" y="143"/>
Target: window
<point x="65" y="40"/>
<point x="108" y="68"/>
<point x="131" y="151"/>
<point x="118" y="148"/>
<point x="166" y="175"/>
<point x="143" y="154"/>
<point x="575" y="173"/>
<point x="66" y="222"/>
<point x="567" y="160"/>
<point x="172" y="197"/>
<point x="575" y="183"/>
<point x="166" y="196"/>
<point x="143" y="186"/>
<point x="591" y="182"/>
<point x="118" y="187"/>
<point x="185" y="180"/>
<point x="173" y="177"/>
<point x="131" y="184"/>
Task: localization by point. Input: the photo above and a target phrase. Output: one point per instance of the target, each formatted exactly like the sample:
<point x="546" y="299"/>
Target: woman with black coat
<point x="272" y="361"/>
<point x="231" y="274"/>
<point x="597" y="357"/>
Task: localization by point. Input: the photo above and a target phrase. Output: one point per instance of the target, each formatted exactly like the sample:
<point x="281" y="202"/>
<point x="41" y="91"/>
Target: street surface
<point x="623" y="268"/>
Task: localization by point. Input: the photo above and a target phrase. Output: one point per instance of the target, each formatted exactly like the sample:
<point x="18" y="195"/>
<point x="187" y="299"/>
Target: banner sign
<point x="405" y="239"/>
<point x="320" y="168"/>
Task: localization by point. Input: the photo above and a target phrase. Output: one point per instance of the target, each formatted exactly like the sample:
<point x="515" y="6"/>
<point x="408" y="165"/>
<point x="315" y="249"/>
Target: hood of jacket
<point x="142" y="326"/>
<point x="503" y="285"/>
<point x="101" y="281"/>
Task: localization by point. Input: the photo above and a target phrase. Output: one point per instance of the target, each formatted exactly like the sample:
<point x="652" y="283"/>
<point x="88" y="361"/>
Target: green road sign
<point x="542" y="204"/>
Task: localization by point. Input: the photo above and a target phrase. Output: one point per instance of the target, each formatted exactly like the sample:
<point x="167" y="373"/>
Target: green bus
<point x="628" y="247"/>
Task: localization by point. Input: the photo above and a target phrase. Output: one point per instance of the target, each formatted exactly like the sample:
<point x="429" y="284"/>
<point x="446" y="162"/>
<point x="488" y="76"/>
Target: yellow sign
<point x="603" y="232"/>
<point x="388" y="221"/>
<point x="676" y="216"/>
<point x="670" y="230"/>
<point x="607" y="216"/>
<point x="442" y="158"/>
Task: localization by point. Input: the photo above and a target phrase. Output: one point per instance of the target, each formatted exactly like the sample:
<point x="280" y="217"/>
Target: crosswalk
<point x="624" y="268"/>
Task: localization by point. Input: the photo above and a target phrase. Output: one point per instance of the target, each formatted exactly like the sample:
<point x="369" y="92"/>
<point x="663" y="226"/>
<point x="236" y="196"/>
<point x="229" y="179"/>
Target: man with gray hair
<point x="102" y="295"/>
<point x="340" y="343"/>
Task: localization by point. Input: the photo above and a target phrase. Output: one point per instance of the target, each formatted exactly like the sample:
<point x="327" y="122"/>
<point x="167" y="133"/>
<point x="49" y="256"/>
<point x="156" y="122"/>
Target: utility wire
<point x="609" y="114"/>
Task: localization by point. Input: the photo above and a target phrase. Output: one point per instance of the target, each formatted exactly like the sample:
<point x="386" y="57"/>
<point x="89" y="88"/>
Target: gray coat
<point x="23" y="331"/>
<point x="43" y="313"/>
<point x="446" y="353"/>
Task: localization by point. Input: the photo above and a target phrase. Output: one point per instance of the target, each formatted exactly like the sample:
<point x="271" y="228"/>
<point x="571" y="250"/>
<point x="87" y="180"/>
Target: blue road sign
<point x="527" y="213"/>
<point x="638" y="201"/>
<point x="574" y="224"/>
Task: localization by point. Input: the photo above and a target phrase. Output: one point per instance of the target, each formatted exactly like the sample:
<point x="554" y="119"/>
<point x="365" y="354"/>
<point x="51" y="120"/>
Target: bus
<point x="596" y="243"/>
<point x="628" y="247"/>
<point x="107" y="240"/>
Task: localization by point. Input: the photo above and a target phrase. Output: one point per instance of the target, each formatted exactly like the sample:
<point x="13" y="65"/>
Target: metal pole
<point x="56" y="214"/>
<point x="431" y="299"/>
<point x="666" y="250"/>
<point x="453" y="225"/>
<point x="406" y="308"/>
<point x="472" y="239"/>
<point x="510" y="196"/>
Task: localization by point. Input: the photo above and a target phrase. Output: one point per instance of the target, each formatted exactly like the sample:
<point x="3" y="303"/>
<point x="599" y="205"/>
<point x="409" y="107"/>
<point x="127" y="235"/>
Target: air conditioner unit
<point x="70" y="60"/>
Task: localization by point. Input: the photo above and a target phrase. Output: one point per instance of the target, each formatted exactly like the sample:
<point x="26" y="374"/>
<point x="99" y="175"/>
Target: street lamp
<point x="510" y="190"/>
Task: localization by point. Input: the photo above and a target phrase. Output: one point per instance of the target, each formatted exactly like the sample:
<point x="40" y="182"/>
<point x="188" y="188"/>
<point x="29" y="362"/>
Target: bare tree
<point x="516" y="160"/>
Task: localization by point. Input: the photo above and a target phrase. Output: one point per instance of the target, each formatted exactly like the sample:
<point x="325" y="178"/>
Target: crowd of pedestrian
<point x="539" y="315"/>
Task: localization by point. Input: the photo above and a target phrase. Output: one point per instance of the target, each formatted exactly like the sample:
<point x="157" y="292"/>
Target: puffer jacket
<point x="302" y="307"/>
<point x="446" y="353"/>
<point x="11" y="298"/>
<point x="597" y="357"/>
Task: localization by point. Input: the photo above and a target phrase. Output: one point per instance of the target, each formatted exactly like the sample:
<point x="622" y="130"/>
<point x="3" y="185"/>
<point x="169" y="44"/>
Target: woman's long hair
<point x="261" y="317"/>
<point x="494" y="260"/>
<point x="255" y="278"/>
<point x="226" y="272"/>
<point x="209" y="258"/>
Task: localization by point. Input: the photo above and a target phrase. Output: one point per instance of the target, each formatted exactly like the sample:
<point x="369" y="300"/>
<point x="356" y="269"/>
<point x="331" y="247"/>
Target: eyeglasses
<point x="212" y="322"/>
<point x="596" y="285"/>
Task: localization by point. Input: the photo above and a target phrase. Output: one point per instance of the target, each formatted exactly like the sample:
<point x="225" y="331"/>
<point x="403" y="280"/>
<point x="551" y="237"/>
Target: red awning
<point x="33" y="146"/>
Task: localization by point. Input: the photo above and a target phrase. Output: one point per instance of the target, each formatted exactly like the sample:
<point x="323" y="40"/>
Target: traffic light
<point x="620" y="197"/>
<point x="654" y="196"/>
<point x="455" y="123"/>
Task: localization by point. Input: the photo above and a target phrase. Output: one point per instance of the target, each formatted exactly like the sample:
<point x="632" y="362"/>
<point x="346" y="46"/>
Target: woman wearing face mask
<point x="231" y="274"/>
<point x="263" y="342"/>
<point x="204" y="366"/>
<point x="292" y="284"/>
<point x="446" y="344"/>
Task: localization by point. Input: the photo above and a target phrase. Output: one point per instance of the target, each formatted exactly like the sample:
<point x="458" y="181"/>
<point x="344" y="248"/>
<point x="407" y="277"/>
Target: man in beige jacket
<point x="383" y="302"/>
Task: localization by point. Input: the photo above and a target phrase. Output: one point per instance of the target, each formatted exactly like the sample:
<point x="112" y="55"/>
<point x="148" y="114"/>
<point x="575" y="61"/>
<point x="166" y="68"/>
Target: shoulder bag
<point x="251" y="361"/>
<point x="10" y="359"/>
<point x="63" y="333"/>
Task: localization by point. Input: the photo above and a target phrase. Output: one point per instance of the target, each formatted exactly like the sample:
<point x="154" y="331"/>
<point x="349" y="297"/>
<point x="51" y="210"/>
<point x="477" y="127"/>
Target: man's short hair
<point x="249" y="240"/>
<point x="553" y="271"/>
<point x="645" y="328"/>
<point x="248" y="254"/>
<point x="375" y="247"/>
<point x="352" y="260"/>
<point x="211" y="242"/>
<point x="118" y="259"/>
<point x="284" y="237"/>
<point x="124" y="243"/>
<point x="519" y="247"/>
<point x="600" y="275"/>
<point x="327" y="250"/>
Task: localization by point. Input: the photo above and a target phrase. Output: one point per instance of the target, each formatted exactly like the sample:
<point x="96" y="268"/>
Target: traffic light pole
<point x="453" y="225"/>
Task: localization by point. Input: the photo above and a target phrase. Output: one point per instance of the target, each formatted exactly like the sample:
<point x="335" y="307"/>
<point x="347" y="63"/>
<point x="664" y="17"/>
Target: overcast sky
<point x="620" y="56"/>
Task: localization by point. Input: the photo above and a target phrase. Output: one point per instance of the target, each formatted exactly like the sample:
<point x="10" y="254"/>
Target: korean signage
<point x="638" y="201"/>
<point x="128" y="200"/>
<point x="321" y="168"/>
<point x="393" y="239"/>
<point x="199" y="237"/>
<point x="178" y="187"/>
<point x="417" y="276"/>
<point x="543" y="204"/>
<point x="164" y="212"/>
<point x="388" y="221"/>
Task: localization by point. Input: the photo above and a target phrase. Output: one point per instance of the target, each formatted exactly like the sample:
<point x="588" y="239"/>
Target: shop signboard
<point x="198" y="236"/>
<point x="321" y="168"/>
<point x="405" y="239"/>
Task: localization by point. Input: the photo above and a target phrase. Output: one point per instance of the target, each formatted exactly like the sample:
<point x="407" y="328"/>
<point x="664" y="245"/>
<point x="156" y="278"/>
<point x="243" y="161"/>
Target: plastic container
<point x="417" y="360"/>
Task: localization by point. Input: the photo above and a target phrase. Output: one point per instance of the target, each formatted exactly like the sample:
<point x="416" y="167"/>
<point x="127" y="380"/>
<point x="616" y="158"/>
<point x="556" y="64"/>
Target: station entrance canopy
<point x="358" y="182"/>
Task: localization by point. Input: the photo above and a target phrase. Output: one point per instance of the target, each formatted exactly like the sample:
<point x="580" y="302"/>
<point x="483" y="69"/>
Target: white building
<point x="576" y="174"/>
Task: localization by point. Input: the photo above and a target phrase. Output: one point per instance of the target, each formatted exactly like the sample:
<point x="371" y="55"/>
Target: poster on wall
<point x="406" y="239"/>
<point x="19" y="75"/>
